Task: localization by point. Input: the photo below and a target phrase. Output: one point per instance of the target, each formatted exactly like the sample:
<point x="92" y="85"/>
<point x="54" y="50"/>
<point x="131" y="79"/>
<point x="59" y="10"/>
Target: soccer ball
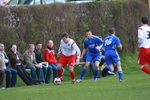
<point x="57" y="81"/>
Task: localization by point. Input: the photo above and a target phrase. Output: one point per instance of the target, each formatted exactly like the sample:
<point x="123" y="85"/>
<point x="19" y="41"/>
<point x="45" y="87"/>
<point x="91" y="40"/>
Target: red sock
<point x="60" y="73"/>
<point x="72" y="74"/>
<point x="146" y="70"/>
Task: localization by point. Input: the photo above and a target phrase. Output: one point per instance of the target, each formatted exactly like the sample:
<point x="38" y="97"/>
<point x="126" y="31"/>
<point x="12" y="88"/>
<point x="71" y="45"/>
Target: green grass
<point x="136" y="86"/>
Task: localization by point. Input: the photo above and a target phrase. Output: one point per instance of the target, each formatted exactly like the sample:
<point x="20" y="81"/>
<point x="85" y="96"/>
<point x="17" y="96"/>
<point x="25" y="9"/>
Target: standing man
<point x="111" y="54"/>
<point x="92" y="45"/>
<point x="68" y="51"/>
<point x="11" y="74"/>
<point x="144" y="45"/>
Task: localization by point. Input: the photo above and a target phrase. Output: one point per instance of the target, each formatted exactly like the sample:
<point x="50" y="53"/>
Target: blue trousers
<point x="40" y="74"/>
<point x="54" y="68"/>
<point x="11" y="77"/>
<point x="47" y="73"/>
<point x="33" y="71"/>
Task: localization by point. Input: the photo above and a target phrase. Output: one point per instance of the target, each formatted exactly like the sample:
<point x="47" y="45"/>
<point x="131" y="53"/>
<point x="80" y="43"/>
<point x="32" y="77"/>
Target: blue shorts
<point x="111" y="57"/>
<point x="93" y="57"/>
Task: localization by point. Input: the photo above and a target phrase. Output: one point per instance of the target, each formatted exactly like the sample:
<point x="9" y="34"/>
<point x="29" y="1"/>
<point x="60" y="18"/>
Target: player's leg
<point x="72" y="73"/>
<point x="83" y="72"/>
<point x="87" y="64"/>
<point x="96" y="70"/>
<point x="144" y="60"/>
<point x="110" y="69"/>
<point x="108" y="60"/>
<point x="61" y="63"/>
<point x="96" y="58"/>
<point x="71" y="62"/>
<point x="59" y="66"/>
<point x="120" y="73"/>
<point x="145" y="68"/>
<point x="116" y="59"/>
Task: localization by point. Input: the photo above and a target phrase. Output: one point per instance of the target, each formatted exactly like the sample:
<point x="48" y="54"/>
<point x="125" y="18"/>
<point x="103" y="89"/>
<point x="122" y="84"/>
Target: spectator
<point x="1" y="70"/>
<point x="30" y="62"/>
<point x="16" y="62"/>
<point x="49" y="56"/>
<point x="46" y="69"/>
<point x="11" y="74"/>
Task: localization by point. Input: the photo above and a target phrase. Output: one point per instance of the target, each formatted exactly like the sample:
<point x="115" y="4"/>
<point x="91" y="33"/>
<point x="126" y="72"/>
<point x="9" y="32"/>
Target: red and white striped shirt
<point x="144" y="36"/>
<point x="69" y="48"/>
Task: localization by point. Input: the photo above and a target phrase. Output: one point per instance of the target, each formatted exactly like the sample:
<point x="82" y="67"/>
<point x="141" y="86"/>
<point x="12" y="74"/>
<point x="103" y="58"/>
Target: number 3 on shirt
<point x="148" y="35"/>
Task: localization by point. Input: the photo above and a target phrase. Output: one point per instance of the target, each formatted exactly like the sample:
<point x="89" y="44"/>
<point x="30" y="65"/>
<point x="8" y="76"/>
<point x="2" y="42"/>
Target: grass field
<point x="136" y="86"/>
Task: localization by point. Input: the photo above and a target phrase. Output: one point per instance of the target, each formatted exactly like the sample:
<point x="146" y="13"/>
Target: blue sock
<point x="82" y="73"/>
<point x="98" y="74"/>
<point x="120" y="74"/>
<point x="95" y="73"/>
<point x="108" y="67"/>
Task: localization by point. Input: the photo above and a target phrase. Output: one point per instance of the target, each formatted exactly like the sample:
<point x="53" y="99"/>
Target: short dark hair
<point x="144" y="20"/>
<point x="38" y="42"/>
<point x="112" y="30"/>
<point x="64" y="34"/>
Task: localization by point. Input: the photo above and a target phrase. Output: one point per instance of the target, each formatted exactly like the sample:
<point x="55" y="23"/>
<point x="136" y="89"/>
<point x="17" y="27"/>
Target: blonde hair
<point x="31" y="45"/>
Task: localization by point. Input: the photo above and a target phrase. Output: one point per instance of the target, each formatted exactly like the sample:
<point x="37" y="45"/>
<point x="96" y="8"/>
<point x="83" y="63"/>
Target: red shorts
<point x="67" y="60"/>
<point x="144" y="56"/>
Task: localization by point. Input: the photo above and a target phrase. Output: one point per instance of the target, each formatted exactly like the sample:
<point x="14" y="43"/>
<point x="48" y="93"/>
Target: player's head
<point x="65" y="36"/>
<point x="144" y="20"/>
<point x="88" y="34"/>
<point x="112" y="30"/>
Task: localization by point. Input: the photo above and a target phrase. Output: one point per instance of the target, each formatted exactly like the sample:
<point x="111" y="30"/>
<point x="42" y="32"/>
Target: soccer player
<point x="111" y="54"/>
<point x="68" y="51"/>
<point x="144" y="45"/>
<point x="92" y="45"/>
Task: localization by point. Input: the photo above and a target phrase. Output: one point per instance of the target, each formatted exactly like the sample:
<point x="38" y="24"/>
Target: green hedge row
<point x="22" y="25"/>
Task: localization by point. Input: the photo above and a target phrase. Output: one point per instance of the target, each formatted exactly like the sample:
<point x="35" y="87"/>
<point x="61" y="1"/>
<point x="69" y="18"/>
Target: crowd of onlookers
<point x="41" y="64"/>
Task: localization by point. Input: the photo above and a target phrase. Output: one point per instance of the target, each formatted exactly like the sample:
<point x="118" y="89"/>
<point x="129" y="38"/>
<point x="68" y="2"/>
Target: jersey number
<point x="108" y="42"/>
<point x="148" y="35"/>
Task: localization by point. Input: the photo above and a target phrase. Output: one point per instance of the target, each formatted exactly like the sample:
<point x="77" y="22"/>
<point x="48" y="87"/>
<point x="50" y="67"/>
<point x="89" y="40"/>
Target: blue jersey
<point x="110" y="43"/>
<point x="91" y="44"/>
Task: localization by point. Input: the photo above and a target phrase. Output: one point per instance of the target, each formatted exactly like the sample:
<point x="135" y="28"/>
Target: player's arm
<point x="83" y="52"/>
<point x="140" y="36"/>
<point x="84" y="49"/>
<point x="75" y="47"/>
<point x="118" y="43"/>
<point x="120" y="47"/>
<point x="59" y="51"/>
<point x="99" y="43"/>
